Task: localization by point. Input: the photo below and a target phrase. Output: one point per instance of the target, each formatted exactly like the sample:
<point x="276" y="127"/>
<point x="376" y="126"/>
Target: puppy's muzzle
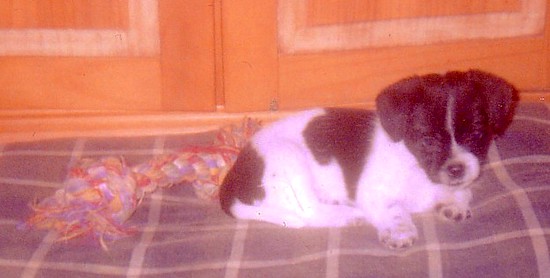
<point x="454" y="173"/>
<point x="456" y="170"/>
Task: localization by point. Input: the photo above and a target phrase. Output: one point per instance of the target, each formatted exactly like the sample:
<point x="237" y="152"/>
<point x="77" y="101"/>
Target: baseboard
<point x="16" y="126"/>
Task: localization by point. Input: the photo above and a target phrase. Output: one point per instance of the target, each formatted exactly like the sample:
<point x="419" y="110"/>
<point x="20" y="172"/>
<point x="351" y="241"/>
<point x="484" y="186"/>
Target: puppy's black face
<point x="427" y="138"/>
<point x="471" y="127"/>
<point x="448" y="121"/>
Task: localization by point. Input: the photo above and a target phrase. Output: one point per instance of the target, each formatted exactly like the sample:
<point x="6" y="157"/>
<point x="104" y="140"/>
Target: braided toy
<point x="99" y="196"/>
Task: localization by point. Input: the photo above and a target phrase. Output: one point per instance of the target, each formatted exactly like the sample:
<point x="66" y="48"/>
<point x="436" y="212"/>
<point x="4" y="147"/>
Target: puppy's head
<point x="448" y="121"/>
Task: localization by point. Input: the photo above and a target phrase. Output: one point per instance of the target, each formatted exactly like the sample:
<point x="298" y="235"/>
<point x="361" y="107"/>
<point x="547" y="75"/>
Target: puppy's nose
<point x="455" y="170"/>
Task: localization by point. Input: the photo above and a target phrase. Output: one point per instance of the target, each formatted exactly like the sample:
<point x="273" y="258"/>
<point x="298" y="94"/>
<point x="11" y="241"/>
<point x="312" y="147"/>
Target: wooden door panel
<point x="63" y="14"/>
<point x="188" y="55"/>
<point x="59" y="28"/>
<point x="344" y="52"/>
<point x="132" y="55"/>
<point x="250" y="55"/>
<point x="428" y="24"/>
<point x="356" y="77"/>
<point x="69" y="83"/>
<point x="393" y="39"/>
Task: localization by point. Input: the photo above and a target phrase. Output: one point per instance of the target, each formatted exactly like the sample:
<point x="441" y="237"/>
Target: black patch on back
<point x="343" y="135"/>
<point x="244" y="180"/>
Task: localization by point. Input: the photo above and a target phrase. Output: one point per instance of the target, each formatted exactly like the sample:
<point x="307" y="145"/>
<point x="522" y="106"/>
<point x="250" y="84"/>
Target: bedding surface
<point x="179" y="235"/>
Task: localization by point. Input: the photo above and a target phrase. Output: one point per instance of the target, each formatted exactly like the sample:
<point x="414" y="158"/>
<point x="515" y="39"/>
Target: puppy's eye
<point x="428" y="141"/>
<point x="477" y="135"/>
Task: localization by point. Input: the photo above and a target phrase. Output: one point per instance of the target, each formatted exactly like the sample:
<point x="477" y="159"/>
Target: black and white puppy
<point x="331" y="167"/>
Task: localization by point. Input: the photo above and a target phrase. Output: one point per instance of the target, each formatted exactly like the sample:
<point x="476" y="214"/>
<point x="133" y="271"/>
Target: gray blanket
<point x="181" y="236"/>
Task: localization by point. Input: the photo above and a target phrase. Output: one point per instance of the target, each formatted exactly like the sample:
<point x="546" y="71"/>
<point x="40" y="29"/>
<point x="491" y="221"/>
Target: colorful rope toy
<point x="99" y="196"/>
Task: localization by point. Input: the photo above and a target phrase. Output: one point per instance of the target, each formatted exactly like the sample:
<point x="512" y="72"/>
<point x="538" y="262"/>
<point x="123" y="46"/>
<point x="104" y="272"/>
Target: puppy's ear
<point x="500" y="97"/>
<point x="395" y="103"/>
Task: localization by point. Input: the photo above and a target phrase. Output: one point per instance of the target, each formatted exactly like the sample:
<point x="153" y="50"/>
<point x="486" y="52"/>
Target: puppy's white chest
<point x="392" y="175"/>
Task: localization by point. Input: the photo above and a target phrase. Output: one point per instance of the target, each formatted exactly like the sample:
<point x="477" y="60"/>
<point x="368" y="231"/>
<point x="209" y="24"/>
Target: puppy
<point x="333" y="167"/>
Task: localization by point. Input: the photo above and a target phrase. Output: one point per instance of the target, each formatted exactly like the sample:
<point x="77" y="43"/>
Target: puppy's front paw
<point x="453" y="212"/>
<point x="399" y="236"/>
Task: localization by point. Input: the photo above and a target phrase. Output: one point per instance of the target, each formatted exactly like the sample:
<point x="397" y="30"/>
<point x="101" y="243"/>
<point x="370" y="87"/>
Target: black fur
<point x="499" y="96"/>
<point x="343" y="135"/>
<point x="243" y="181"/>
<point x="414" y="110"/>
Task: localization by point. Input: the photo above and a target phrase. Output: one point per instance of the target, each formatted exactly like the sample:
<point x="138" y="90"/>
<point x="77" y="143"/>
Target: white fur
<point x="413" y="162"/>
<point x="298" y="190"/>
<point x="302" y="193"/>
<point x="470" y="161"/>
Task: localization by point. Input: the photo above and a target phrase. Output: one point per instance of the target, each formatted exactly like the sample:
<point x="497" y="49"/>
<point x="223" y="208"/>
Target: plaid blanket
<point x="179" y="235"/>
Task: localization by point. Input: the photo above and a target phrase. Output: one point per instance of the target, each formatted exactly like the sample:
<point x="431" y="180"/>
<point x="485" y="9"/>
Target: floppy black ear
<point x="395" y="103"/>
<point x="500" y="97"/>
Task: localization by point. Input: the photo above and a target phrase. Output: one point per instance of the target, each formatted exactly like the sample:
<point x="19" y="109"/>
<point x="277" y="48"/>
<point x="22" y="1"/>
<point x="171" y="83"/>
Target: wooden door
<point x="290" y="54"/>
<point x="107" y="55"/>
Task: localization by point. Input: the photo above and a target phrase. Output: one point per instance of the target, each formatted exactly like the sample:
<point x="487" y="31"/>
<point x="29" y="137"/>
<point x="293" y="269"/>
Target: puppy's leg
<point x="318" y="212"/>
<point x="455" y="206"/>
<point x="395" y="227"/>
<point x="301" y="195"/>
<point x="292" y="183"/>
<point x="290" y="199"/>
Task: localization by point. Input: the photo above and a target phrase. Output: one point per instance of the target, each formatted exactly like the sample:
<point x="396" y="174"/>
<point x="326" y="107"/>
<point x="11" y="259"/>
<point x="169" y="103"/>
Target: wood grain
<point x="52" y="29"/>
<point x="61" y="14"/>
<point x="323" y="12"/>
<point x="250" y="69"/>
<point x="296" y="35"/>
<point x="18" y="127"/>
<point x="343" y="78"/>
<point x="225" y="56"/>
<point x="118" y="69"/>
<point x="188" y="55"/>
<point x="74" y="83"/>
